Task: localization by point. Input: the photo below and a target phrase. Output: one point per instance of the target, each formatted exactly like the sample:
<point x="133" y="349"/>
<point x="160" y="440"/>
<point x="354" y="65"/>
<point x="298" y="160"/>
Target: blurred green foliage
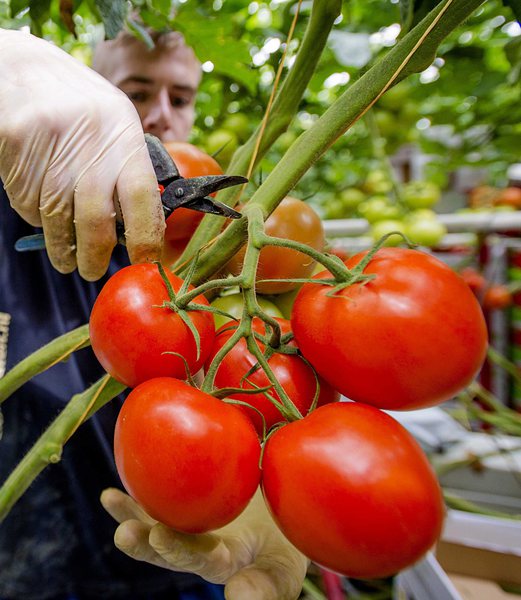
<point x="464" y="110"/>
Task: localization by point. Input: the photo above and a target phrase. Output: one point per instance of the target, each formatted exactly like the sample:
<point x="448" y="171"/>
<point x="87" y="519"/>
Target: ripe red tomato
<point x="295" y="220"/>
<point x="352" y="490"/>
<point x="180" y="225"/>
<point x="294" y="374"/>
<point x="191" y="460"/>
<point x="132" y="334"/>
<point x="411" y="337"/>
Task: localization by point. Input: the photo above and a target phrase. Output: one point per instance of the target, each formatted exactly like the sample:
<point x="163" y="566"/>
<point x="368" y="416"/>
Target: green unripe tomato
<point x="381" y="228"/>
<point x="386" y="122"/>
<point x="377" y="182"/>
<point x="351" y="198"/>
<point x="379" y="208"/>
<point x="335" y="209"/>
<point x="284" y="302"/>
<point x="239" y="124"/>
<point x="233" y="305"/>
<point x="421" y="214"/>
<point x="421" y="194"/>
<point x="426" y="232"/>
<point x="221" y="144"/>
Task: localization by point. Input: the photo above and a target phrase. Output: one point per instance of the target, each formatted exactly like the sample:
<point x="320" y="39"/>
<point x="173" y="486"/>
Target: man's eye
<point x="138" y="96"/>
<point x="179" y="102"/>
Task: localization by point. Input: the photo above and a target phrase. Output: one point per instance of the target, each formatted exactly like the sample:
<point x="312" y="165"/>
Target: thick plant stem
<point x="413" y="53"/>
<point x="44" y="358"/>
<point x="49" y="446"/>
<point x="285" y="105"/>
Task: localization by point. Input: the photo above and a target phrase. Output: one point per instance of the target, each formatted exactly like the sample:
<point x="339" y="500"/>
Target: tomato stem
<point x="48" y="447"/>
<point x="331" y="262"/>
<point x="183" y="300"/>
<point x="42" y="359"/>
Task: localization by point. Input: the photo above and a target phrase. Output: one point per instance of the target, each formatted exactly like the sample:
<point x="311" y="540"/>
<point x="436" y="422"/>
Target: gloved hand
<point x="70" y="144"/>
<point x="250" y="555"/>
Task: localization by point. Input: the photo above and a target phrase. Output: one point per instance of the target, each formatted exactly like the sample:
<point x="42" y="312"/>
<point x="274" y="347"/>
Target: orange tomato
<point x="295" y="220"/>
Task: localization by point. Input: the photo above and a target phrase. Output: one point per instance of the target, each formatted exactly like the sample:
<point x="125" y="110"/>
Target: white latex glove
<point x="70" y="144"/>
<point x="250" y="555"/>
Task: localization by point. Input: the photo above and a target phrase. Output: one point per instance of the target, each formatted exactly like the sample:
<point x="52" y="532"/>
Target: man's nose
<point x="159" y="120"/>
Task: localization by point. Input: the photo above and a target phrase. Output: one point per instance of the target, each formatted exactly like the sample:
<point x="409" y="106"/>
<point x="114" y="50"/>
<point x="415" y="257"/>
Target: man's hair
<point x="163" y="40"/>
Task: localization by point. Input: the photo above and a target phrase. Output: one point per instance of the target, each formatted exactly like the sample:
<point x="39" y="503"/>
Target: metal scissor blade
<point x="214" y="207"/>
<point x="164" y="166"/>
<point x="209" y="184"/>
<point x="186" y="191"/>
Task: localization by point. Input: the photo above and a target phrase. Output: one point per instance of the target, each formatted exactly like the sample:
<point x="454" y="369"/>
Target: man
<point x="161" y="83"/>
<point x="68" y="142"/>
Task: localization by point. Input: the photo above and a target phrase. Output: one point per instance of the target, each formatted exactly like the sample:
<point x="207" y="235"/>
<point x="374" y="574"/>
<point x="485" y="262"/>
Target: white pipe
<point x="458" y="223"/>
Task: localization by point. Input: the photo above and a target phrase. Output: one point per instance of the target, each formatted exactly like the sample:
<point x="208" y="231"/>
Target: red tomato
<point x="411" y="337"/>
<point x="295" y="220"/>
<point x="294" y="374"/>
<point x="497" y="296"/>
<point x="180" y="225"/>
<point x="509" y="196"/>
<point x="352" y="490"/>
<point x="191" y="460"/>
<point x="131" y="333"/>
<point x="474" y="279"/>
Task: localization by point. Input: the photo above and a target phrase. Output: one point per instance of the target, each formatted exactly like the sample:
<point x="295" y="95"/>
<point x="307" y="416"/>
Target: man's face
<point x="162" y="84"/>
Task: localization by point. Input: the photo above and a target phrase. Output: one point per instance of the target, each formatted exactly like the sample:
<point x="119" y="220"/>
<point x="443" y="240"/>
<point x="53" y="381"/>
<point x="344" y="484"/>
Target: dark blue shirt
<point x="57" y="541"/>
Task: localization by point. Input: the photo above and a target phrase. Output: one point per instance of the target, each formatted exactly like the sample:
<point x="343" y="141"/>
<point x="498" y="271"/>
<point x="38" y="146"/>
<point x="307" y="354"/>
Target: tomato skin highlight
<point x="191" y="460"/>
<point x="131" y="332"/>
<point x="352" y="490"/>
<point x="411" y="337"/>
<point x="293" y="373"/>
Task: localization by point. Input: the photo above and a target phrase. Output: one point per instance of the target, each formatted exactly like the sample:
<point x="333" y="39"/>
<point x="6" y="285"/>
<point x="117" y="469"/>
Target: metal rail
<point x="456" y="223"/>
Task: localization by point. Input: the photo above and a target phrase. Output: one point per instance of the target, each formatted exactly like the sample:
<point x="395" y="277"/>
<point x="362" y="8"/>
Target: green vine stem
<point x="285" y="106"/>
<point x="54" y="352"/>
<point x="413" y="53"/>
<point x="495" y="412"/>
<point x="250" y="310"/>
<point x="48" y="448"/>
<point x="312" y="591"/>
<point x="458" y="503"/>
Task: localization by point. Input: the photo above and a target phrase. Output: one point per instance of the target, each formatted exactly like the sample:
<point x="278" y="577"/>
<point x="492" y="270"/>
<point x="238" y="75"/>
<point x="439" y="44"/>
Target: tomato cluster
<point x="344" y="481"/>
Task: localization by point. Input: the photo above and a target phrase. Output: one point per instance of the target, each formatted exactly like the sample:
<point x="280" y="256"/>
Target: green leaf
<point x="17" y="6"/>
<point x="39" y="11"/>
<point x="216" y="40"/>
<point x="162" y="6"/>
<point x="141" y="33"/>
<point x="515" y="5"/>
<point x="113" y="14"/>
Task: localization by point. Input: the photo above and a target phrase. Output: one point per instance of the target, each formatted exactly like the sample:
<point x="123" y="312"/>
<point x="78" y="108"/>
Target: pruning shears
<point x="176" y="192"/>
